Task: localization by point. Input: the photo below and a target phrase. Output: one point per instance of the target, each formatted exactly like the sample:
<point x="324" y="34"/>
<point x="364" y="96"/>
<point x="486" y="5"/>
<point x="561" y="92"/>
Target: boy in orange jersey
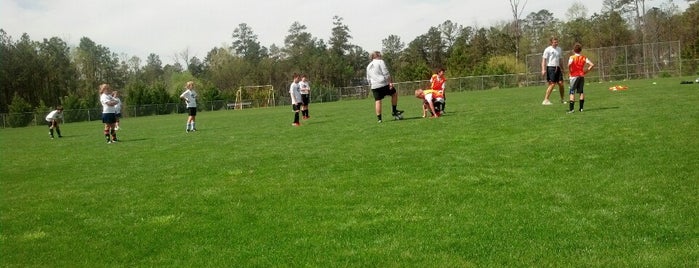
<point x="438" y="82"/>
<point x="576" y="67"/>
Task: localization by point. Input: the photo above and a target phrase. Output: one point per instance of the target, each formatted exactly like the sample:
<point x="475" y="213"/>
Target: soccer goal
<point x="254" y="96"/>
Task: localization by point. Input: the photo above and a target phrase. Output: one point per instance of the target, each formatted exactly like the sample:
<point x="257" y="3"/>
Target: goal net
<point x="254" y="97"/>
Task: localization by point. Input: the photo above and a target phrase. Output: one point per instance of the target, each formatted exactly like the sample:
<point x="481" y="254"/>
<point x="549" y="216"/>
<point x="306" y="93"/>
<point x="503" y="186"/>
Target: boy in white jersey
<point x="117" y="107"/>
<point x="53" y="119"/>
<point x="296" y="99"/>
<point x="305" y="89"/>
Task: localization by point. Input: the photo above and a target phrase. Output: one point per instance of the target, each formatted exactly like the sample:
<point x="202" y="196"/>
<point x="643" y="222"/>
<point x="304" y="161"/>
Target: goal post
<point x="254" y="96"/>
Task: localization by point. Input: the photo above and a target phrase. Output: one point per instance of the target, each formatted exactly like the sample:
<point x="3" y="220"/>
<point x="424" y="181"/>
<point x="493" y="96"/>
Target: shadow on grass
<point x="601" y="108"/>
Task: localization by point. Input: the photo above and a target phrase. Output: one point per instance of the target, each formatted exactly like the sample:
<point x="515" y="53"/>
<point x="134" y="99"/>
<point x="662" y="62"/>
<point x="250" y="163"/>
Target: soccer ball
<point x="697" y="80"/>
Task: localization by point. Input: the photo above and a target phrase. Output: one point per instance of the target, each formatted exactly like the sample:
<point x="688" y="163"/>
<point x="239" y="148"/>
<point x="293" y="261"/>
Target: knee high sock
<point x="582" y="102"/>
<point x="571" y="105"/>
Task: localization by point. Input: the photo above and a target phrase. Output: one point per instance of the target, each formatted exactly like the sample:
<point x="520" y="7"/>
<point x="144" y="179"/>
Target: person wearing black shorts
<point x="381" y="85"/>
<point x="551" y="63"/>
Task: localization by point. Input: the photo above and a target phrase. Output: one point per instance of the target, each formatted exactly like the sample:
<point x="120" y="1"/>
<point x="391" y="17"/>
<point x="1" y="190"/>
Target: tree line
<point x="35" y="75"/>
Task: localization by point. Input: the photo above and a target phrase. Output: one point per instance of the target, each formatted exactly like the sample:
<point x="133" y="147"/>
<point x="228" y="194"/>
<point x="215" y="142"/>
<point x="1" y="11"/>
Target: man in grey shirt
<point x="381" y="85"/>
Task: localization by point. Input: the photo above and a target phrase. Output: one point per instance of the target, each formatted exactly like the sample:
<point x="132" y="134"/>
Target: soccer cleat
<point x="398" y="115"/>
<point x="295" y="124"/>
<point x="109" y="142"/>
<point x="563" y="102"/>
<point x="571" y="111"/>
<point x="546" y="102"/>
<point x="581" y="110"/>
<point x="379" y="121"/>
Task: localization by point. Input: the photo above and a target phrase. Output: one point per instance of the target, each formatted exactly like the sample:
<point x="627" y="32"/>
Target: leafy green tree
<point x="391" y="49"/>
<point x="153" y="71"/>
<point x="60" y="76"/>
<point x="340" y="38"/>
<point x="245" y="44"/>
<point x="20" y="112"/>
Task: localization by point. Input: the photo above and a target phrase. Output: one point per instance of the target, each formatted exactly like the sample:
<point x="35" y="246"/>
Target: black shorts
<point x="296" y="106"/>
<point x="192" y="111"/>
<point x="380" y="93"/>
<point x="577" y="84"/>
<point x="554" y="74"/>
<point x="108" y="118"/>
<point x="51" y="123"/>
<point x="305" y="99"/>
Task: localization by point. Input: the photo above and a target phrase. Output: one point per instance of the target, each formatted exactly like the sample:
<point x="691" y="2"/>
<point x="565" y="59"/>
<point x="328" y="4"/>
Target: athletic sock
<point x="194" y="125"/>
<point x="571" y="105"/>
<point x="58" y="131"/>
<point x="296" y="117"/>
<point x="51" y="132"/>
<point x="582" y="102"/>
<point x="395" y="108"/>
<point x="378" y="117"/>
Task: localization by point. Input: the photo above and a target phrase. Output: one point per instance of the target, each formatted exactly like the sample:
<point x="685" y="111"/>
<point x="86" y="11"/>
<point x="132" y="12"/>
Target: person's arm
<point x="590" y="66"/>
<point x="386" y="74"/>
<point x="543" y="65"/>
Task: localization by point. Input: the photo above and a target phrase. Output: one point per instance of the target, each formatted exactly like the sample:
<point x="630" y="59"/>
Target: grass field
<point x="500" y="180"/>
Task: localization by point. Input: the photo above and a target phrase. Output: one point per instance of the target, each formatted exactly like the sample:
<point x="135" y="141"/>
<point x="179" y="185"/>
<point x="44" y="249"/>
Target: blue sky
<point x="168" y="27"/>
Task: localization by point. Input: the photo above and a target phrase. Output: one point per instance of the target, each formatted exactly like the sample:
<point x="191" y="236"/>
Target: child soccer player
<point x="115" y="96"/>
<point x="189" y="96"/>
<point x="52" y="118"/>
<point x="296" y="102"/>
<point x="576" y="66"/>
<point x="427" y="97"/>
<point x="305" y="96"/>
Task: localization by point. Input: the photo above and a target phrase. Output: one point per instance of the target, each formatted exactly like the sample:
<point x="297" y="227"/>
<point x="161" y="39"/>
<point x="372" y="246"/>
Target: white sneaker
<point x="546" y="102"/>
<point x="116" y="128"/>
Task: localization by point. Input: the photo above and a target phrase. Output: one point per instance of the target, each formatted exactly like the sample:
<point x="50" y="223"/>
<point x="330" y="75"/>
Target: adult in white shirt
<point x="381" y="85"/>
<point x="551" y="63"/>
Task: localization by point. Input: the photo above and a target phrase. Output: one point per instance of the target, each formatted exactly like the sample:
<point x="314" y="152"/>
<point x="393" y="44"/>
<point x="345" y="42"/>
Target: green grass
<point x="500" y="180"/>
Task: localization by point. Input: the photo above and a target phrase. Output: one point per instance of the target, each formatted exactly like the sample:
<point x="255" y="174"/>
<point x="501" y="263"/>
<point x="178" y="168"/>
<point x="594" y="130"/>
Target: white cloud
<point x="167" y="27"/>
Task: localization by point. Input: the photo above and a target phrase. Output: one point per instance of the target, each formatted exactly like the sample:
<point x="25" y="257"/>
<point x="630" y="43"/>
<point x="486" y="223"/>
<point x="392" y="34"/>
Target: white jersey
<point x="305" y="88"/>
<point x="117" y="107"/>
<point x="377" y="74"/>
<point x="553" y="56"/>
<point x="54" y="115"/>
<point x="190" y="97"/>
<point x="295" y="93"/>
<point x="106" y="108"/>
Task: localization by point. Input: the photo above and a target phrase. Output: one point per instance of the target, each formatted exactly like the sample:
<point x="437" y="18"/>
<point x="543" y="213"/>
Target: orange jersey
<point x="437" y="82"/>
<point x="576" y="65"/>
